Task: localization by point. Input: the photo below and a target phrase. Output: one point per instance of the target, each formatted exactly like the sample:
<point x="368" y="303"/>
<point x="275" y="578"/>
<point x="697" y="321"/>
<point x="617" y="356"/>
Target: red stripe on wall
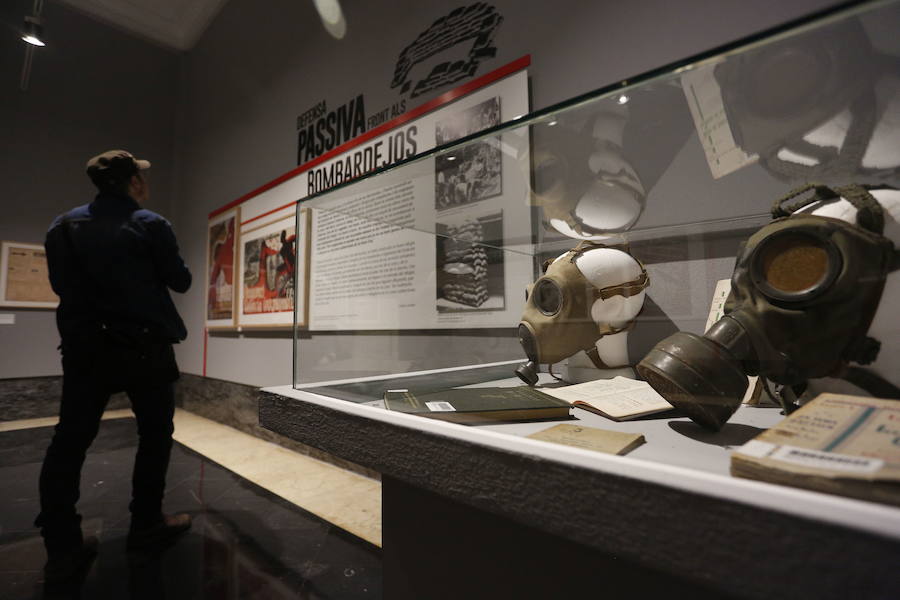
<point x="445" y="98"/>
<point x="269" y="212"/>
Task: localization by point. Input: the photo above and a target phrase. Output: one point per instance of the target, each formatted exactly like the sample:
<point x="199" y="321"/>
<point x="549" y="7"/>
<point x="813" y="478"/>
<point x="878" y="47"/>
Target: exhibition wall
<point x="220" y="120"/>
<point x="250" y="77"/>
<point x="92" y="88"/>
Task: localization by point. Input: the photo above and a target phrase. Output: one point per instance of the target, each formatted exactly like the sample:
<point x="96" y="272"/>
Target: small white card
<point x="827" y="460"/>
<point x="717" y="311"/>
<point x="717" y="308"/>
<point x="704" y="97"/>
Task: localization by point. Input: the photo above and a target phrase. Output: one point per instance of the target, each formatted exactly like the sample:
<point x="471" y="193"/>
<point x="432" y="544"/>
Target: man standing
<point x="112" y="264"/>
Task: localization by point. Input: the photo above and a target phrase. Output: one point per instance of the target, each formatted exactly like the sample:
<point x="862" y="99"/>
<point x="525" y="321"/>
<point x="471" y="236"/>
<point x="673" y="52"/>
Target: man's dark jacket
<point x="112" y="262"/>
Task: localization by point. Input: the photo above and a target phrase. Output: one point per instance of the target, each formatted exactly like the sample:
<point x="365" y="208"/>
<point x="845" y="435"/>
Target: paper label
<point x="440" y="407"/>
<point x="717" y="311"/>
<point x="717" y="308"/>
<point x="704" y="97"/>
<point x="827" y="460"/>
<point x="756" y="449"/>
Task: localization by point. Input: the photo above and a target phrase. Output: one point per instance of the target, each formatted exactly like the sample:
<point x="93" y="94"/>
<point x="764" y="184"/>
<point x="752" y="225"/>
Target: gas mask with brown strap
<point x="557" y="322"/>
<point x="803" y="294"/>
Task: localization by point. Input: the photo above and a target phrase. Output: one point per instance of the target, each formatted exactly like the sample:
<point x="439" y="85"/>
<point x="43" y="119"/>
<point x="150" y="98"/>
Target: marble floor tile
<point x="246" y="541"/>
<point x="51" y="421"/>
<point x="349" y="500"/>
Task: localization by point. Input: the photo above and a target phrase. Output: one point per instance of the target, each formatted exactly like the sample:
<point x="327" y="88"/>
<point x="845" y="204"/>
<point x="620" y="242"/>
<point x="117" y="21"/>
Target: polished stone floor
<point x="245" y="543"/>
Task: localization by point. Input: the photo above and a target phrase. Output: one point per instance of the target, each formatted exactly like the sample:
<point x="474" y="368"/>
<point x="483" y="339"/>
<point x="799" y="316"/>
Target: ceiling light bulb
<point x="33" y="31"/>
<point x="622" y="99"/>
<point x="332" y="17"/>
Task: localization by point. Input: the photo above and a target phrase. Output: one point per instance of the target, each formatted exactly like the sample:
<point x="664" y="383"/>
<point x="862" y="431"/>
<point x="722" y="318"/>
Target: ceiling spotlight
<point x="33" y="31"/>
<point x="451" y="157"/>
<point x="552" y="123"/>
<point x="622" y="99"/>
<point x="332" y="17"/>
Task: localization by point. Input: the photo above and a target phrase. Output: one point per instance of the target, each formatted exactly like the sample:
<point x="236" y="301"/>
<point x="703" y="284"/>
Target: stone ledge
<point x="36" y="397"/>
<point x="237" y="405"/>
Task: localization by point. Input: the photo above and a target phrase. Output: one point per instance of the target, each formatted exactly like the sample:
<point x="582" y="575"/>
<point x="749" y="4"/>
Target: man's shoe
<point x="70" y="566"/>
<point x="159" y="535"/>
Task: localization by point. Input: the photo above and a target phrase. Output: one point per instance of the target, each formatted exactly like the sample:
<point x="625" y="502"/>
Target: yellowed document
<point x="590" y="438"/>
<point x="846" y="445"/>
<point x="23" y="276"/>
<point x="618" y="398"/>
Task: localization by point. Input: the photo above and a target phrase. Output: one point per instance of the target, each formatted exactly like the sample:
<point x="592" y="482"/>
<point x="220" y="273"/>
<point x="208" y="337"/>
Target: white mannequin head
<point x="843" y="210"/>
<point x="605" y="267"/>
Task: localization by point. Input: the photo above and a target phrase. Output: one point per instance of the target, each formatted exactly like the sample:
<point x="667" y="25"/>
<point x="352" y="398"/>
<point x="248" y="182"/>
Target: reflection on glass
<point x="428" y="262"/>
<point x="822" y="106"/>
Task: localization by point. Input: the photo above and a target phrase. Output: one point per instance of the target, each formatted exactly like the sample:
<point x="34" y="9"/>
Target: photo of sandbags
<point x="470" y="263"/>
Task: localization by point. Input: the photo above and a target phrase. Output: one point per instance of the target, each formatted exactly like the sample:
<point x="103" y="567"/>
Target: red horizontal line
<point x="267" y="213"/>
<point x="446" y="97"/>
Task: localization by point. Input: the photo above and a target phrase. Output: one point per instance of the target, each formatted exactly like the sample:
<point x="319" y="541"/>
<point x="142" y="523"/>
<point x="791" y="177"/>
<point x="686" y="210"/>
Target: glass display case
<point x="655" y="239"/>
<point x="574" y="243"/>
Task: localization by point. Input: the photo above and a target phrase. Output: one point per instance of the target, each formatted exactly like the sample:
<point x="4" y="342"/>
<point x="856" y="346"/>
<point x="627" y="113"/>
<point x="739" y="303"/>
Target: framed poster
<point x="24" y="279"/>
<point x="274" y="273"/>
<point x="221" y="255"/>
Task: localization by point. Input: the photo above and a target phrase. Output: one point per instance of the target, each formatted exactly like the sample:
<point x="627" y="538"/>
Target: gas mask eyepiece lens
<point x="547" y="296"/>
<point x="795" y="266"/>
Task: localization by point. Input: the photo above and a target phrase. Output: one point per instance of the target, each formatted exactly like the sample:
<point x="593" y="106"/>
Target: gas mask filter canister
<point x="804" y="291"/>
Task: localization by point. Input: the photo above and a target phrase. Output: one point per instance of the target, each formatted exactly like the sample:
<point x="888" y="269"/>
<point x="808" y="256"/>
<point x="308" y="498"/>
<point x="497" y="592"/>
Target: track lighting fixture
<point x="33" y="31"/>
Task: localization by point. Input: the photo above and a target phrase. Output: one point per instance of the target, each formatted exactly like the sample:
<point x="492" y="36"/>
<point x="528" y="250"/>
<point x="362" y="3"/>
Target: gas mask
<point x="804" y="291"/>
<point x="557" y="321"/>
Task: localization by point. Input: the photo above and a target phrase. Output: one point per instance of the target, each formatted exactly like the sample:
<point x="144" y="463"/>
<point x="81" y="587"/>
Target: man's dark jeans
<point x="87" y="386"/>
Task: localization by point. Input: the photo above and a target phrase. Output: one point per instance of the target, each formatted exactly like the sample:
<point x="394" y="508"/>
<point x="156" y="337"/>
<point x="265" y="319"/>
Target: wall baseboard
<point x="36" y="397"/>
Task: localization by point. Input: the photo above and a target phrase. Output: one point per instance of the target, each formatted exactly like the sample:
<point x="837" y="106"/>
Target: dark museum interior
<point x="333" y="299"/>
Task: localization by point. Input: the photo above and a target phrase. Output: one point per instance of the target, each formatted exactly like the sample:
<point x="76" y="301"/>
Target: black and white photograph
<point x="470" y="263"/>
<point x="473" y="172"/>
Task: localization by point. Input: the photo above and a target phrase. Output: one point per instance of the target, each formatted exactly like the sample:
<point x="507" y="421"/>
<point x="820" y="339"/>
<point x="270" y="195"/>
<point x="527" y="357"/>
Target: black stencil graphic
<point x="475" y="24"/>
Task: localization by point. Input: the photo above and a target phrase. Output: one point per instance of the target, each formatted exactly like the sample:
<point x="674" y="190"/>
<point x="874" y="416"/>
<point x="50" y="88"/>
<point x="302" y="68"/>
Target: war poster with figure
<point x="273" y="273"/>
<point x="221" y="253"/>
